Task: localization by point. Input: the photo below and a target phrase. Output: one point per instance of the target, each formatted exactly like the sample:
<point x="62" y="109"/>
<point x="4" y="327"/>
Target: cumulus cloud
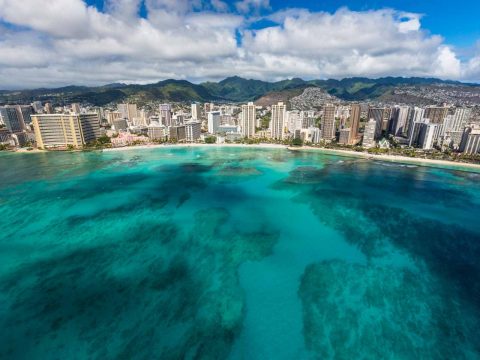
<point x="219" y="5"/>
<point x="372" y="43"/>
<point x="246" y="6"/>
<point x="199" y="40"/>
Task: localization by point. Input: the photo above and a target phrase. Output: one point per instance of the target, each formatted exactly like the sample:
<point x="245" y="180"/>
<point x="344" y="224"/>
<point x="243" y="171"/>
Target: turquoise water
<point x="231" y="253"/>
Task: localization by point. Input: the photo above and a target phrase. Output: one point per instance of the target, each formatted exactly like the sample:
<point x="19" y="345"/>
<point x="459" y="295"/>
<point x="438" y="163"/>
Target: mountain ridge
<point x="230" y="89"/>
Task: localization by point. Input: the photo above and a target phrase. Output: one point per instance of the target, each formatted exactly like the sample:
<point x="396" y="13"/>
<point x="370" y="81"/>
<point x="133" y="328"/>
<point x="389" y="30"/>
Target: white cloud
<point x="347" y="43"/>
<point x="198" y="40"/>
<point x="44" y="16"/>
<point x="219" y="5"/>
<point x="245" y="6"/>
<point x="123" y="9"/>
<point x="408" y="22"/>
<point x="446" y="63"/>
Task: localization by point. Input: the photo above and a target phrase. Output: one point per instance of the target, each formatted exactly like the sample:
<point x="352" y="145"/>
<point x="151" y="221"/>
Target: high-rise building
<point x="415" y="117"/>
<point x="120" y="124"/>
<point x="193" y="130"/>
<point x="156" y="131"/>
<point x="227" y="109"/>
<point x="293" y="121"/>
<point x="48" y="109"/>
<point x="470" y="141"/>
<point x="25" y="112"/>
<point x="277" y="123"/>
<point x="342" y="114"/>
<point x="100" y="111"/>
<point x="311" y="135"/>
<point x="177" y="133"/>
<point x="460" y="119"/>
<point x="166" y="114"/>
<point x="112" y="116"/>
<point x="446" y="125"/>
<point x="369" y="134"/>
<point x="399" y="120"/>
<point x="37" y="107"/>
<point x="12" y="118"/>
<point x="453" y="139"/>
<point x="62" y="130"/>
<point x="142" y="119"/>
<point x="76" y="108"/>
<point x="178" y="119"/>
<point x="377" y="114"/>
<point x="355" y="113"/>
<point x="344" y="138"/>
<point x="208" y="107"/>
<point x="428" y="135"/>
<point x="196" y="112"/>
<point x="387" y="114"/>
<point x="435" y="114"/>
<point x="328" y="123"/>
<point x="414" y="133"/>
<point x="248" y="120"/>
<point x="308" y="119"/>
<point x="226" y="119"/>
<point x="213" y="121"/>
<point x="128" y="111"/>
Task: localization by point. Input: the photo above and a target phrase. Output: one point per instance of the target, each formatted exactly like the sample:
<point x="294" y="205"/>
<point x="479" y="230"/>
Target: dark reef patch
<point x="382" y="312"/>
<point x="155" y="274"/>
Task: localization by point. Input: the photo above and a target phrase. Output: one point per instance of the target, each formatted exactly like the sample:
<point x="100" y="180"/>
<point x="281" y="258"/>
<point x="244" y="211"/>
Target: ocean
<point x="236" y="253"/>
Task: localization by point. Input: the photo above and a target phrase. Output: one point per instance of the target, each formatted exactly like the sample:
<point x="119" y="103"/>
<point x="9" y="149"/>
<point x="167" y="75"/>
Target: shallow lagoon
<point x="216" y="253"/>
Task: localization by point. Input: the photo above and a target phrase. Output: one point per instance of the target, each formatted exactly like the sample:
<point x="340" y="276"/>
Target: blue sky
<point x="457" y="21"/>
<point x="141" y="41"/>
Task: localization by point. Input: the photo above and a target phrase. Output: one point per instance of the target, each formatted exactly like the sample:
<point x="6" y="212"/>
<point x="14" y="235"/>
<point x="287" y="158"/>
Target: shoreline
<point x="452" y="165"/>
<point x="172" y="146"/>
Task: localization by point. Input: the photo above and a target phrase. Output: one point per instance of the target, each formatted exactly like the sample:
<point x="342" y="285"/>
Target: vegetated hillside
<point x="237" y="89"/>
<point x="275" y="97"/>
<point x="358" y="88"/>
<point x="433" y="94"/>
<point x="311" y="98"/>
<point x="168" y="90"/>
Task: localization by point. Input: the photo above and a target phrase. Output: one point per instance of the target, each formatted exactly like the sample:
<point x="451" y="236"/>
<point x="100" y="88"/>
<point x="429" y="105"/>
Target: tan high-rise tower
<point x="355" y="112"/>
<point x="62" y="130"/>
<point x="328" y="122"/>
<point x="248" y="120"/>
<point x="277" y="124"/>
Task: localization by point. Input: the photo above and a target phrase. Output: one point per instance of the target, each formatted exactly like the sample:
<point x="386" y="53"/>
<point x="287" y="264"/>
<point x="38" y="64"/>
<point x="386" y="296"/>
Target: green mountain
<point x="358" y="88"/>
<point x="232" y="89"/>
<point x="168" y="90"/>
<point x="239" y="89"/>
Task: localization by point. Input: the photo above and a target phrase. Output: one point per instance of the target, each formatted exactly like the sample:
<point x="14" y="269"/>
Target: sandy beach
<point x="161" y="146"/>
<point x="32" y="151"/>
<point x="348" y="153"/>
<point x="395" y="158"/>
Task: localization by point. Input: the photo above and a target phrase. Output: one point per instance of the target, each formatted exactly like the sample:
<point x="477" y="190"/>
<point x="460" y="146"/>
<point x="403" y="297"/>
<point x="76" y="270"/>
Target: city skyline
<point x="135" y="41"/>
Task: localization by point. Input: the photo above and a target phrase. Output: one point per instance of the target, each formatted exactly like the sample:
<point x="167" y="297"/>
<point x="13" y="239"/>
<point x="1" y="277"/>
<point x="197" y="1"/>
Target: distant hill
<point x="239" y="89"/>
<point x="284" y="95"/>
<point x="234" y="89"/>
